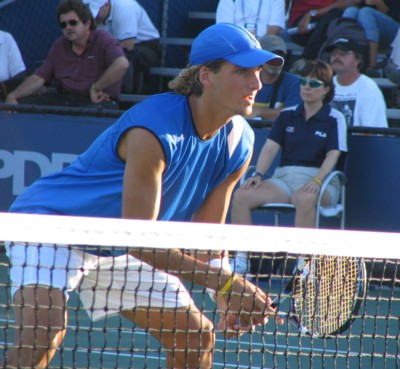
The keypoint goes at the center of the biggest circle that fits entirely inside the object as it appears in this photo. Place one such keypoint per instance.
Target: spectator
(12, 67)
(279, 88)
(260, 17)
(131, 26)
(85, 65)
(380, 21)
(311, 137)
(357, 96)
(321, 12)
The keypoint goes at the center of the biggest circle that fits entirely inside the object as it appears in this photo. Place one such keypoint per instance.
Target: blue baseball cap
(232, 43)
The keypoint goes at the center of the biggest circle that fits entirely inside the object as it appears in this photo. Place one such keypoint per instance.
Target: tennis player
(176, 156)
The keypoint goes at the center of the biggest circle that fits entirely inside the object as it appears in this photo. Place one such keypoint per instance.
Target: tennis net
(326, 269)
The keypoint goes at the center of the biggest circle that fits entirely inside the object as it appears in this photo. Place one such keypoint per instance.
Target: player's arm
(215, 208)
(145, 163)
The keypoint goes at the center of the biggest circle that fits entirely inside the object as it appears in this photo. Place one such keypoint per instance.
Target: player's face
(73, 28)
(234, 88)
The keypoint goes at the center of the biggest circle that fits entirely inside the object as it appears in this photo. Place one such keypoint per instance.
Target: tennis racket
(326, 294)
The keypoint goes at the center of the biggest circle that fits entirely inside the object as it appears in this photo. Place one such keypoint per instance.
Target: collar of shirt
(322, 114)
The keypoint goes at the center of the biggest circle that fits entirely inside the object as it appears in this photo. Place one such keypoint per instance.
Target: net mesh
(370, 339)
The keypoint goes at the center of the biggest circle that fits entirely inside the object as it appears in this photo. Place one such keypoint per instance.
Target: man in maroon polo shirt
(85, 65)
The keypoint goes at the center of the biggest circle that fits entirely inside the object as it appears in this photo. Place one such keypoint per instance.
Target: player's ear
(205, 75)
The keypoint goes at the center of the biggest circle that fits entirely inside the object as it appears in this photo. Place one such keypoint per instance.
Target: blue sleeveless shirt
(92, 184)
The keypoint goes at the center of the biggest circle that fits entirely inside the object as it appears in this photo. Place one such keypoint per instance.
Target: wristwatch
(313, 13)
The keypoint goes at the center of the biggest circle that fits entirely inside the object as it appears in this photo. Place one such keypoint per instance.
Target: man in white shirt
(12, 67)
(129, 23)
(260, 17)
(357, 96)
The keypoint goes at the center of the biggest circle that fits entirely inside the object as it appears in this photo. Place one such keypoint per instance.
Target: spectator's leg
(351, 13)
(380, 31)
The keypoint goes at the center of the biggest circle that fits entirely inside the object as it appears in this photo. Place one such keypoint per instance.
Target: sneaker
(240, 264)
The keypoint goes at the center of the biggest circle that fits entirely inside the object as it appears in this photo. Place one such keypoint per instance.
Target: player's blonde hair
(187, 82)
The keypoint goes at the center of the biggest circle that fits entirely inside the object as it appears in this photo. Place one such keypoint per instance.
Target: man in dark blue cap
(175, 156)
(357, 96)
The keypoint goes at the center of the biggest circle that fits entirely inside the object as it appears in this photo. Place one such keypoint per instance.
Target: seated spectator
(357, 96)
(321, 13)
(380, 21)
(279, 89)
(85, 65)
(311, 137)
(260, 17)
(129, 23)
(12, 67)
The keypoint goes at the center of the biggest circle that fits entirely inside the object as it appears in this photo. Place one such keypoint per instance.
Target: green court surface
(371, 342)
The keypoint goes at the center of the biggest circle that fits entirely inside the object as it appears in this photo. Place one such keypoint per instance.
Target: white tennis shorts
(105, 285)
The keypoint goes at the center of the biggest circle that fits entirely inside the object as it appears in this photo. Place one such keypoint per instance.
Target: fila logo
(320, 134)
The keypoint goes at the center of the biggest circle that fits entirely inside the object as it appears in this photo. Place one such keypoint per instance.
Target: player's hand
(249, 304)
(228, 323)
(231, 327)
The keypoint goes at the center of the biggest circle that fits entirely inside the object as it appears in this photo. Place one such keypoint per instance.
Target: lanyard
(258, 12)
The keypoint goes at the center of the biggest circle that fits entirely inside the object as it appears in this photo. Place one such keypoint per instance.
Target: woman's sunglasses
(71, 22)
(312, 83)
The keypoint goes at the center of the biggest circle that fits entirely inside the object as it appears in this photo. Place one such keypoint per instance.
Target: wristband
(221, 263)
(317, 180)
(257, 174)
(228, 285)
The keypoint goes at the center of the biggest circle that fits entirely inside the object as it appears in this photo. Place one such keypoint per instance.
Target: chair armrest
(334, 174)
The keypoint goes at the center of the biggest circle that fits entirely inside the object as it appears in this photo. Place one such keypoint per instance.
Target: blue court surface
(371, 342)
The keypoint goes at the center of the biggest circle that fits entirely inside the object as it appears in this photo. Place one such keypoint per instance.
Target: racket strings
(325, 296)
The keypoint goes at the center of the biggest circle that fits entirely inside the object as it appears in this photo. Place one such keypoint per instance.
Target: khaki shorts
(105, 285)
(291, 178)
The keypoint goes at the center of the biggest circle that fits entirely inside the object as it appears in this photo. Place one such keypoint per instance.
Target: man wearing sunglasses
(84, 67)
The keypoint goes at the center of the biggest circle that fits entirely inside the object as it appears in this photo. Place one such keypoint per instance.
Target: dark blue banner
(33, 145)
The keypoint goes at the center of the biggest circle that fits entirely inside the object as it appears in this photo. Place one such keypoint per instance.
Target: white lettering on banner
(14, 165)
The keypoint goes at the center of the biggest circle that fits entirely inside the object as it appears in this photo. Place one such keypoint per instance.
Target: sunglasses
(71, 22)
(312, 83)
